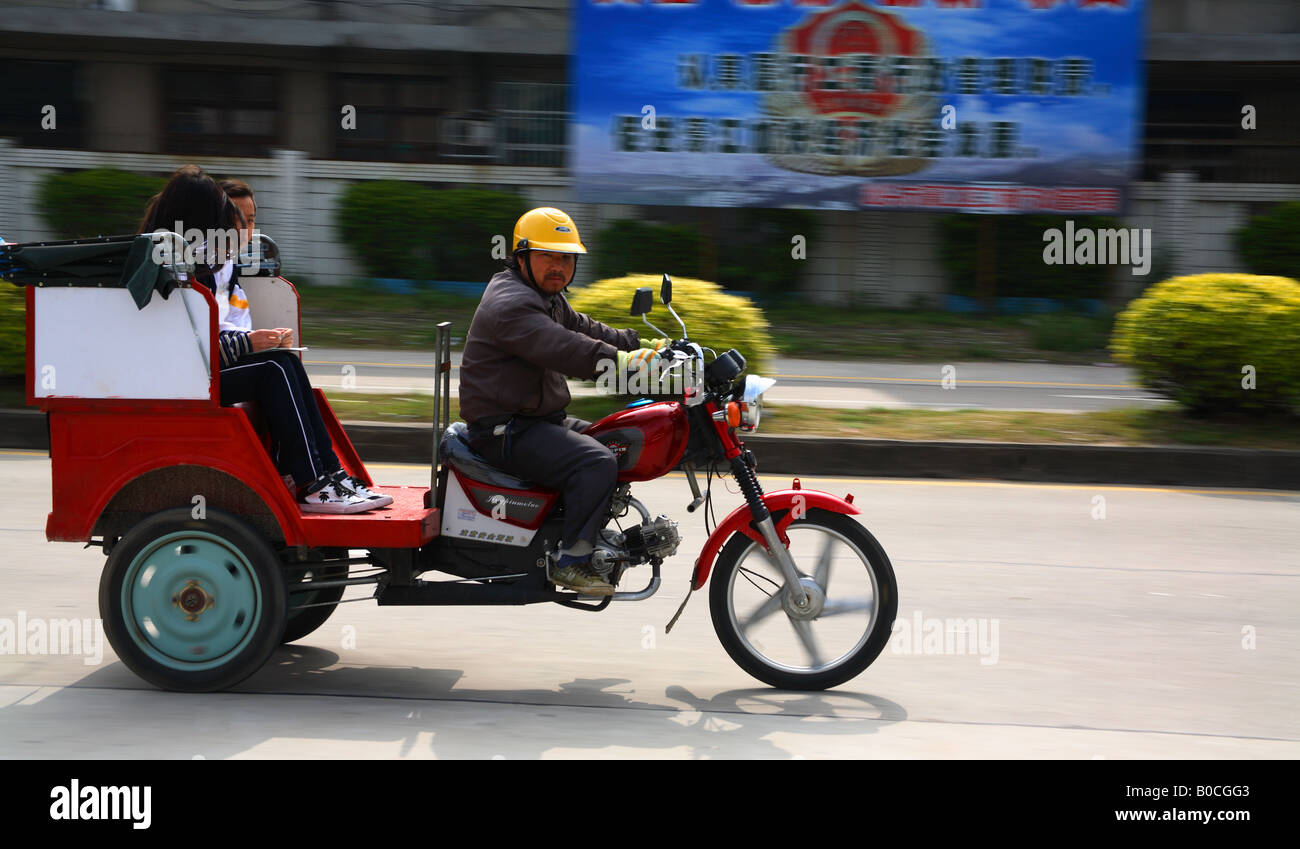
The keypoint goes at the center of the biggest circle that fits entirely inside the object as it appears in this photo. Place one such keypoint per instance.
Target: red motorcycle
(803, 598)
(211, 563)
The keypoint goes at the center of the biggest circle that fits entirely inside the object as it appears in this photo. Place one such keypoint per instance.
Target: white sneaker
(376, 499)
(325, 495)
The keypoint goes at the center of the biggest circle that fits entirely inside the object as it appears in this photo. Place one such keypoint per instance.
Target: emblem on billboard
(861, 68)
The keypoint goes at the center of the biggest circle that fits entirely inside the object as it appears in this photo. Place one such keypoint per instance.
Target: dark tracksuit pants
(276, 380)
(558, 456)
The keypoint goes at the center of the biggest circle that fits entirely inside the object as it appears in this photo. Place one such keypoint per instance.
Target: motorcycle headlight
(751, 400)
(750, 413)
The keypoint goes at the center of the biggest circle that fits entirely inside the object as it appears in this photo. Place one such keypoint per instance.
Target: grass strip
(369, 317)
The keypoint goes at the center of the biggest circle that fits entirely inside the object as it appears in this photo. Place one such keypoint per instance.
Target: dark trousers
(558, 456)
(276, 380)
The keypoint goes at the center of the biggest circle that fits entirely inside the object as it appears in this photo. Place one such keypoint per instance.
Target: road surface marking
(1119, 398)
(958, 380)
(382, 365)
(792, 376)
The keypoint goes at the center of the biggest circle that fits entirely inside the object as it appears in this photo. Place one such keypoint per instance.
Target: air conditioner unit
(468, 136)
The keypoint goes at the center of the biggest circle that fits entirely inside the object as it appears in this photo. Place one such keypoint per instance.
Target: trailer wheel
(193, 604)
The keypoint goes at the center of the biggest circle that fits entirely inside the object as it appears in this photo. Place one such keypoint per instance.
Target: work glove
(639, 360)
(657, 344)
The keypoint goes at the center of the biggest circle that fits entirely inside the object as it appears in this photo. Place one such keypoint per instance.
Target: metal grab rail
(441, 396)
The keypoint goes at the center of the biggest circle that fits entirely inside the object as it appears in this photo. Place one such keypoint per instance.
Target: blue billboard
(974, 105)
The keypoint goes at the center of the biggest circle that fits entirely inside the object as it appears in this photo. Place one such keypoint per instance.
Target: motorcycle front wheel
(851, 600)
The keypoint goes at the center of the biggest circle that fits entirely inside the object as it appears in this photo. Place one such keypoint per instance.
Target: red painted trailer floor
(406, 523)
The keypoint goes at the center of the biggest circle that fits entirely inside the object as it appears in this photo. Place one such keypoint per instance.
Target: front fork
(749, 485)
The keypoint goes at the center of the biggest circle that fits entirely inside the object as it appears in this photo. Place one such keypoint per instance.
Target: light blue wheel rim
(183, 562)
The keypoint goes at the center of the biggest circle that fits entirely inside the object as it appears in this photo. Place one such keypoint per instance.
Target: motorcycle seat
(454, 448)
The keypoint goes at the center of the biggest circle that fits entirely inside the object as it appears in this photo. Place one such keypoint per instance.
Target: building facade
(300, 98)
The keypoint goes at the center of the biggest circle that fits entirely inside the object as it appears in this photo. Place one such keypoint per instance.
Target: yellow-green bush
(13, 331)
(1191, 339)
(713, 318)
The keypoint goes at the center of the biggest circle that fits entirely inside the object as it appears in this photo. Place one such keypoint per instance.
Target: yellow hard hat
(547, 229)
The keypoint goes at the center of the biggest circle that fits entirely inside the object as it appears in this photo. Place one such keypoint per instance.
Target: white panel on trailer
(94, 343)
(272, 303)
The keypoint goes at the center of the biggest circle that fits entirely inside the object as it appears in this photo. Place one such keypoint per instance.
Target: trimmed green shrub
(1019, 270)
(401, 229)
(753, 249)
(713, 318)
(464, 222)
(98, 202)
(1270, 244)
(639, 247)
(1192, 338)
(387, 224)
(13, 331)
(758, 258)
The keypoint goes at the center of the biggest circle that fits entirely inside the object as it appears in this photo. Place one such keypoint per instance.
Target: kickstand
(677, 615)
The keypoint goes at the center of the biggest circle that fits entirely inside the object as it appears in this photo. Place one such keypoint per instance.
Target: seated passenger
(252, 367)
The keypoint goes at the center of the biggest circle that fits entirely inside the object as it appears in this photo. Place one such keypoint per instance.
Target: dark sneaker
(326, 495)
(376, 499)
(580, 577)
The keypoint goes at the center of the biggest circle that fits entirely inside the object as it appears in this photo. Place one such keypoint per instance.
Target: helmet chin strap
(525, 268)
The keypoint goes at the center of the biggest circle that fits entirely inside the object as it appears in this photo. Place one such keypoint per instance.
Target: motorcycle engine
(657, 539)
(653, 540)
(610, 559)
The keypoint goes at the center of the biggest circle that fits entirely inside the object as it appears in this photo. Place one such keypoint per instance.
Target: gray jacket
(521, 345)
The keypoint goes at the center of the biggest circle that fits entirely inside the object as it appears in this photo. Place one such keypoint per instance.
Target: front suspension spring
(749, 486)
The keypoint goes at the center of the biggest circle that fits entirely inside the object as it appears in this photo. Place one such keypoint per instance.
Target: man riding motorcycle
(523, 341)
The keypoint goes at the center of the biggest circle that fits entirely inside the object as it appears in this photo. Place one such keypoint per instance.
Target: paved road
(977, 385)
(1165, 629)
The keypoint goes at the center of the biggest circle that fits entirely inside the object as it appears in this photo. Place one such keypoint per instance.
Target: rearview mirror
(642, 301)
(666, 291)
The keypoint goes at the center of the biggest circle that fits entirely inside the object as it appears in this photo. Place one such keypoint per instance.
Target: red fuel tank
(648, 440)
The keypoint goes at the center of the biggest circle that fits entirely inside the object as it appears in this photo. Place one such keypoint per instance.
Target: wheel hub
(193, 600)
(814, 600)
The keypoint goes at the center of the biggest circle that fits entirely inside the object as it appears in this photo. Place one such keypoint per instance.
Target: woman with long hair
(253, 368)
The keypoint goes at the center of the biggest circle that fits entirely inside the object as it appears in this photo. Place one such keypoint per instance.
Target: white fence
(866, 257)
(296, 196)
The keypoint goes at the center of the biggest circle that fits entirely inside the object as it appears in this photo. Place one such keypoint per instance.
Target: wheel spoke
(750, 575)
(803, 628)
(764, 610)
(822, 573)
(848, 605)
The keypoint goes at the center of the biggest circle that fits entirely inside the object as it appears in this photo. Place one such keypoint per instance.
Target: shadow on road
(415, 707)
